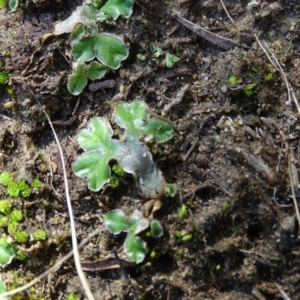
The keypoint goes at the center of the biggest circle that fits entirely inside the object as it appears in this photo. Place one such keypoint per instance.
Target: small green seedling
(183, 235)
(131, 154)
(249, 89)
(78, 80)
(157, 52)
(135, 248)
(141, 57)
(171, 59)
(187, 237)
(13, 4)
(89, 44)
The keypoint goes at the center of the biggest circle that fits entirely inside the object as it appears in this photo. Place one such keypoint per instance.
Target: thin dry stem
(81, 275)
(282, 292)
(228, 15)
(275, 63)
(290, 167)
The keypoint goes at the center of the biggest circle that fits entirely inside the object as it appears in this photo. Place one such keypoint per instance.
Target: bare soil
(234, 158)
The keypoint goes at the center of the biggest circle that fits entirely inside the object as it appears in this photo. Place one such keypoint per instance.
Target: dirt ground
(234, 158)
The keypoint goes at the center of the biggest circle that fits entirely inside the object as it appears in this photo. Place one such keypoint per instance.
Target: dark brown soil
(234, 157)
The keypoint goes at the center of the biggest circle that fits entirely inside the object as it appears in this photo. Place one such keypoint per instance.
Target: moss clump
(268, 77)
(3, 221)
(233, 80)
(14, 188)
(3, 3)
(249, 89)
(21, 236)
(3, 77)
(16, 216)
(35, 183)
(5, 207)
(6, 179)
(39, 235)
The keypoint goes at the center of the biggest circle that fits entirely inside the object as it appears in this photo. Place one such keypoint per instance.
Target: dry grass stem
(228, 15)
(81, 275)
(292, 169)
(275, 63)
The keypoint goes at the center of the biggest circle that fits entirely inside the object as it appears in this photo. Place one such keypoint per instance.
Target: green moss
(249, 89)
(255, 121)
(3, 221)
(3, 77)
(233, 80)
(14, 188)
(72, 297)
(118, 170)
(10, 90)
(20, 255)
(46, 203)
(115, 177)
(35, 183)
(16, 216)
(268, 77)
(6, 179)
(5, 207)
(3, 3)
(24, 189)
(21, 236)
(226, 206)
(114, 181)
(39, 235)
(13, 227)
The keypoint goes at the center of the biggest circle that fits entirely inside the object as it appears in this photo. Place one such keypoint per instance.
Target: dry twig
(223, 43)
